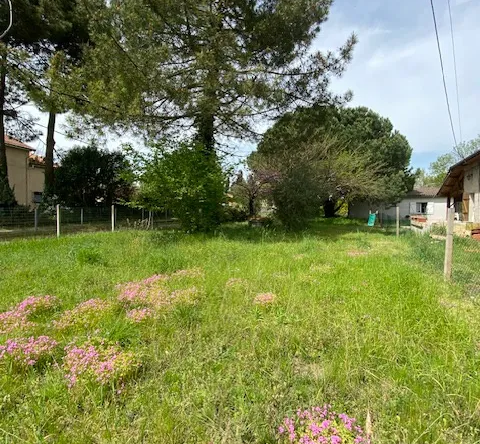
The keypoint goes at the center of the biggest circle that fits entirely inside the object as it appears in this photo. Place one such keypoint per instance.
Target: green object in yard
(371, 220)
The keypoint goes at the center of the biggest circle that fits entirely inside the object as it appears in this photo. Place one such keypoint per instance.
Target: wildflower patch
(264, 299)
(27, 352)
(321, 425)
(98, 363)
(19, 317)
(86, 314)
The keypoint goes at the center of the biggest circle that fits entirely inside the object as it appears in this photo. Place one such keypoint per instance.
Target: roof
(10, 141)
(451, 185)
(423, 192)
(36, 160)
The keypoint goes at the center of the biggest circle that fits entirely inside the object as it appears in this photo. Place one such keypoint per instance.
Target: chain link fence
(18, 222)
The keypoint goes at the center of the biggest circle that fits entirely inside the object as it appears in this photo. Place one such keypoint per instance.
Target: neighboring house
(422, 201)
(26, 172)
(461, 187)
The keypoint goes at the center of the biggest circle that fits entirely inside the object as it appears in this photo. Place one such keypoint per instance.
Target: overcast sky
(396, 70)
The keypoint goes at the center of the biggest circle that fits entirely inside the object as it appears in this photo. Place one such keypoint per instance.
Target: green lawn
(357, 322)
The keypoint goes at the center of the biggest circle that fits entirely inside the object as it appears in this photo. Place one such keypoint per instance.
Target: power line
(443, 73)
(455, 68)
(59, 132)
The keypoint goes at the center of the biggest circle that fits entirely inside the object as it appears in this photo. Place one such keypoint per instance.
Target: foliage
(317, 174)
(213, 66)
(248, 192)
(344, 329)
(90, 176)
(188, 182)
(358, 130)
(439, 168)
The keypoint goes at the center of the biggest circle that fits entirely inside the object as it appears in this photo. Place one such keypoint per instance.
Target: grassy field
(355, 321)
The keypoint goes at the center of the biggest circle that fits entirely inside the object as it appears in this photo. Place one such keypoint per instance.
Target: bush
(190, 182)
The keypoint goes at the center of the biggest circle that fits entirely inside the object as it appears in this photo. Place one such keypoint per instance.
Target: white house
(422, 201)
(462, 188)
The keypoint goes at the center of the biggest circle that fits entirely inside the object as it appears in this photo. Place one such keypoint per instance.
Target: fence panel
(18, 222)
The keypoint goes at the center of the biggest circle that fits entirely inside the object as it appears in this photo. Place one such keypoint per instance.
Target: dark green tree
(89, 176)
(359, 130)
(212, 67)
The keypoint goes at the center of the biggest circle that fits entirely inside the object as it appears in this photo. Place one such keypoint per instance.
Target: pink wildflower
(138, 315)
(264, 298)
(17, 317)
(321, 425)
(28, 351)
(98, 363)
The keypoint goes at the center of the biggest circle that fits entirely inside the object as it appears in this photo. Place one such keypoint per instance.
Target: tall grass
(357, 322)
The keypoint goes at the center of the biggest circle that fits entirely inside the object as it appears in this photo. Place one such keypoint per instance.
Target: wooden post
(449, 244)
(58, 220)
(113, 218)
(81, 216)
(35, 219)
(398, 221)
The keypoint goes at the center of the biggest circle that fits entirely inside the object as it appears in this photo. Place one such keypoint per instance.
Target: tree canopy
(89, 176)
(356, 130)
(207, 67)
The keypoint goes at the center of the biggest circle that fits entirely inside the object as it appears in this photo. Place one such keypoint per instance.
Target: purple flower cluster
(17, 317)
(138, 315)
(103, 364)
(85, 314)
(143, 292)
(27, 352)
(321, 425)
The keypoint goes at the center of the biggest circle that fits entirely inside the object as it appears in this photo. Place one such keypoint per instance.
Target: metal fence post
(113, 218)
(58, 220)
(35, 219)
(447, 270)
(81, 216)
(398, 221)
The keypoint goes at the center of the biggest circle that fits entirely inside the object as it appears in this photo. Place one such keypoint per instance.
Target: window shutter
(430, 207)
(413, 208)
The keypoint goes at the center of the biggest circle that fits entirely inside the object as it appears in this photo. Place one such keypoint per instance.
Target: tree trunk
(49, 173)
(329, 208)
(206, 132)
(251, 207)
(7, 197)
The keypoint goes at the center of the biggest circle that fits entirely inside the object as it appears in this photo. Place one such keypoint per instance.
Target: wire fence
(20, 222)
(463, 267)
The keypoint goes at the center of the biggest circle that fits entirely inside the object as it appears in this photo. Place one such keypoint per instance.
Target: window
(37, 197)
(422, 207)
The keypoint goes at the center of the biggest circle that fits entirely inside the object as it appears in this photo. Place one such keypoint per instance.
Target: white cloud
(397, 73)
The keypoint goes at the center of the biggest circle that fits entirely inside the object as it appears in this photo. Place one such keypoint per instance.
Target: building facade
(422, 201)
(26, 172)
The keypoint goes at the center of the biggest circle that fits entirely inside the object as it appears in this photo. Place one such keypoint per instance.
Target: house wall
(36, 180)
(361, 210)
(471, 187)
(24, 179)
(17, 173)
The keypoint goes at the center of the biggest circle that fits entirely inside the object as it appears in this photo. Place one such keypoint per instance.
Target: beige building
(26, 172)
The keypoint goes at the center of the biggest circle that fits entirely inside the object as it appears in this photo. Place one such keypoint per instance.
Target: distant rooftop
(10, 141)
(424, 192)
